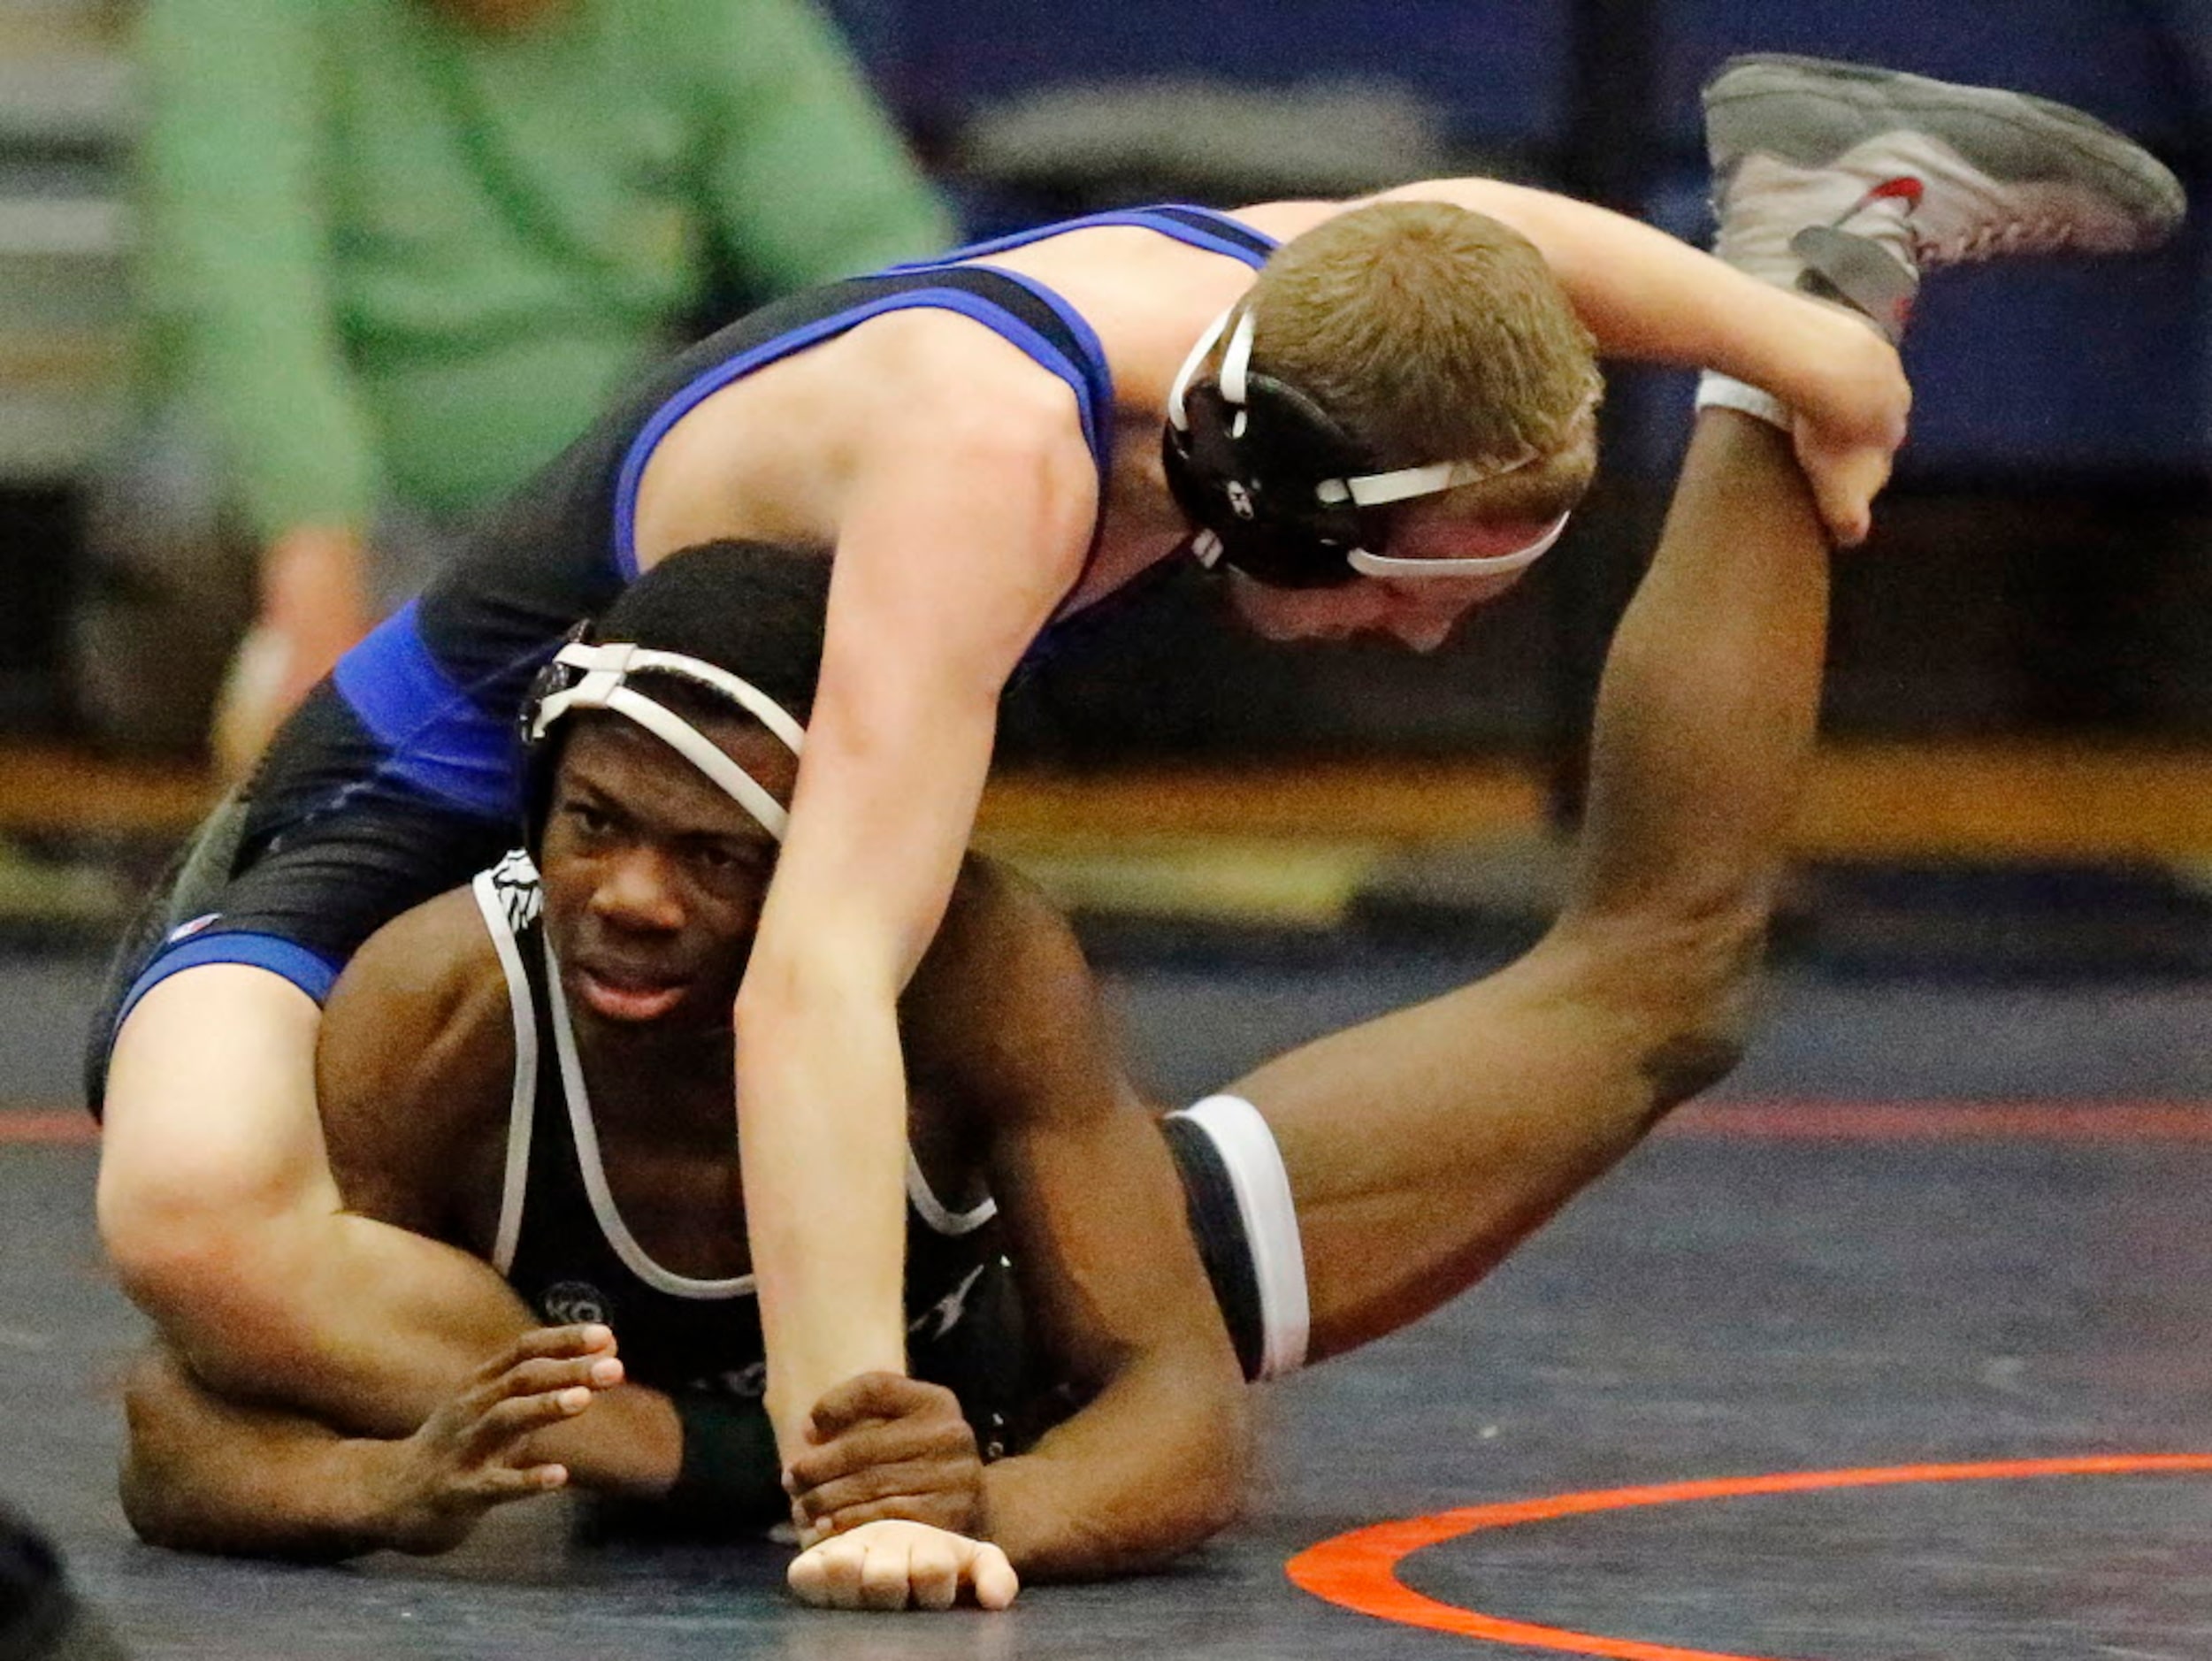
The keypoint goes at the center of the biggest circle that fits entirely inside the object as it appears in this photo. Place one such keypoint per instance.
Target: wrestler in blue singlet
(399, 777)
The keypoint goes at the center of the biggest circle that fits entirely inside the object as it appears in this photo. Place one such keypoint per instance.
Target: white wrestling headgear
(582, 675)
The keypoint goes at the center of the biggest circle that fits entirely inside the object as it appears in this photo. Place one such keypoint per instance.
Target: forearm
(207, 1472)
(1153, 1465)
(1650, 297)
(389, 1322)
(822, 1119)
(202, 1473)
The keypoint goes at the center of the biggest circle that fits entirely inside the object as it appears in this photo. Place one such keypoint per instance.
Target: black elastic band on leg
(1224, 1247)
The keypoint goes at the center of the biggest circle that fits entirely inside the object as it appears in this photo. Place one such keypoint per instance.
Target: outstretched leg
(1419, 1149)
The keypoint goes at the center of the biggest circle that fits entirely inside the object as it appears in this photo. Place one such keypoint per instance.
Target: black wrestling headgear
(1280, 491)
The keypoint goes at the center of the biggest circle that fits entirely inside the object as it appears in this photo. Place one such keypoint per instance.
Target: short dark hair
(754, 608)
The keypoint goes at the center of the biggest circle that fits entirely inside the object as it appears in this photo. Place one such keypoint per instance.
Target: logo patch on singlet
(514, 881)
(746, 1384)
(574, 1303)
(945, 1314)
(186, 931)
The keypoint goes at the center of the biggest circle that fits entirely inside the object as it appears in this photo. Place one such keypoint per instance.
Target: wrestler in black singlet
(565, 1247)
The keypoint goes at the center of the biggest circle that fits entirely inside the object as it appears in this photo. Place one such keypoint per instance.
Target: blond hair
(1432, 334)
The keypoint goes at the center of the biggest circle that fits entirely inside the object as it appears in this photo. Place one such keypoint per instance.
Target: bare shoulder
(1284, 220)
(997, 923)
(1003, 1011)
(417, 1047)
(945, 378)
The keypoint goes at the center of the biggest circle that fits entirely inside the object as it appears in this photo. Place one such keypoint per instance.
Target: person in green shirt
(394, 254)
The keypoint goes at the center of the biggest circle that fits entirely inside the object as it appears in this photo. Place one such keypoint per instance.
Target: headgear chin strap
(587, 676)
(1284, 494)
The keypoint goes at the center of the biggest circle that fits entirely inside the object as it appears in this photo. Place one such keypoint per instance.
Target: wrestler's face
(1419, 612)
(654, 878)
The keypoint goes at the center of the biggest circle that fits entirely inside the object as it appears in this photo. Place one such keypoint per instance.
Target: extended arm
(207, 1472)
(1006, 1013)
(1645, 295)
(1650, 297)
(953, 550)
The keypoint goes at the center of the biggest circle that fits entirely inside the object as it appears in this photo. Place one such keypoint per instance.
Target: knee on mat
(183, 1245)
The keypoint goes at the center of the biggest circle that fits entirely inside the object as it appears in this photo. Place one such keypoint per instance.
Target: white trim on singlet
(586, 1133)
(522, 1114)
(934, 1211)
(920, 1194)
(522, 1103)
(1247, 1147)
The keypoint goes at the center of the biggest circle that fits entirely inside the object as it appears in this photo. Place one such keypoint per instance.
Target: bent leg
(217, 1205)
(1421, 1147)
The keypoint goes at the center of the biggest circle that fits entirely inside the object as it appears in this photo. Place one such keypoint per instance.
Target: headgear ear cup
(1284, 494)
(542, 748)
(1247, 474)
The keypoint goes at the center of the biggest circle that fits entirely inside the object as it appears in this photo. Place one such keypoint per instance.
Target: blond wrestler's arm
(1005, 1029)
(1650, 297)
(961, 535)
(460, 1402)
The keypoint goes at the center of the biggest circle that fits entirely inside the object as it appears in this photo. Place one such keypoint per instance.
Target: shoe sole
(2014, 137)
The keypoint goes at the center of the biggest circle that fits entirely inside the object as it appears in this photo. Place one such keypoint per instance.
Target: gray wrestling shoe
(1851, 181)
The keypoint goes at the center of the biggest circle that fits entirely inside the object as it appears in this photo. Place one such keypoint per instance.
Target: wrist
(728, 1471)
(385, 1507)
(1001, 1512)
(1831, 362)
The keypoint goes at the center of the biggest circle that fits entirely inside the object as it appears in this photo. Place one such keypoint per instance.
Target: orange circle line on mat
(1359, 1570)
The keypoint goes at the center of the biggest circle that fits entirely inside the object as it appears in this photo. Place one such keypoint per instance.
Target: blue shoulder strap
(1198, 227)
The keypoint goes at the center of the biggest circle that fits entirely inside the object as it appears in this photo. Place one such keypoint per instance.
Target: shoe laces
(2036, 234)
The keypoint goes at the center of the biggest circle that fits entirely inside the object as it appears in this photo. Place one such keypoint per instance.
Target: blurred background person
(393, 253)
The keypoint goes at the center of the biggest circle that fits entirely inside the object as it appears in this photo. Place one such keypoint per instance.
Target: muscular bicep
(416, 1048)
(1006, 1018)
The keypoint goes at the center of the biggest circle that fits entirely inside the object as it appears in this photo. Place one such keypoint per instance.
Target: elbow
(149, 1484)
(1216, 1468)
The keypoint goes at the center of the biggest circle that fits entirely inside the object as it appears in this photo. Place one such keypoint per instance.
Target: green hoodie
(387, 257)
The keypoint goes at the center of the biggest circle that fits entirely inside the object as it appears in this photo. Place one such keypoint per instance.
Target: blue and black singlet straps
(1196, 227)
(1019, 310)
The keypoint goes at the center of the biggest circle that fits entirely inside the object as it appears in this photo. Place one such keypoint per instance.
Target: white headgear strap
(603, 685)
(1365, 490)
(1470, 565)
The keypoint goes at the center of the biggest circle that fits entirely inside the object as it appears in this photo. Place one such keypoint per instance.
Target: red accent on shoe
(1903, 188)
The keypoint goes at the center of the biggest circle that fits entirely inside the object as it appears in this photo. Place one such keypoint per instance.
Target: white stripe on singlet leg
(1248, 1150)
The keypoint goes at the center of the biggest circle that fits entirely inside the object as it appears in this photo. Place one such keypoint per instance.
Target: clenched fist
(901, 1565)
